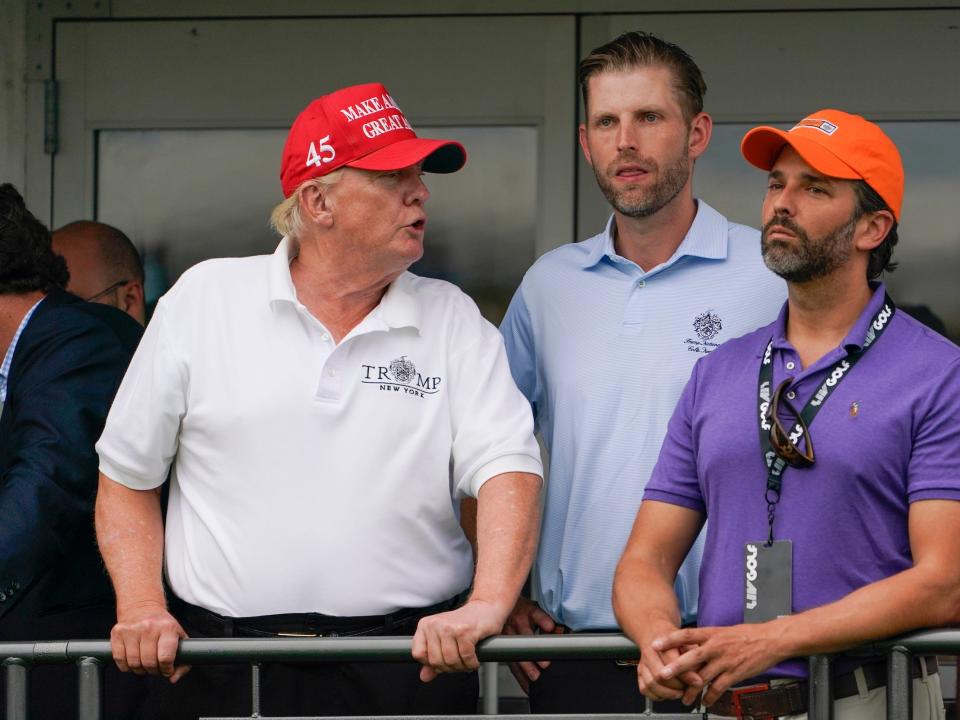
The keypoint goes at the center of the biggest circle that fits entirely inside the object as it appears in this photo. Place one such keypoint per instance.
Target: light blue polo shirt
(602, 350)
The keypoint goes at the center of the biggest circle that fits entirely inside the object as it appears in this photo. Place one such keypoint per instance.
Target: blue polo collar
(706, 238)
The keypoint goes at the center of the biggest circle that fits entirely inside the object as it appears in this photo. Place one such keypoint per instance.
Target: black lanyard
(776, 464)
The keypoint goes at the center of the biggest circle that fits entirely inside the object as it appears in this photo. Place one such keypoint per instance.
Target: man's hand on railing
(722, 656)
(447, 642)
(525, 619)
(145, 640)
(651, 678)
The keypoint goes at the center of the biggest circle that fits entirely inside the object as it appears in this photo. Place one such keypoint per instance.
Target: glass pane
(187, 195)
(929, 250)
(483, 219)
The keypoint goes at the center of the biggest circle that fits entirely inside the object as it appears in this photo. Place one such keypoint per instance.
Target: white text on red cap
(371, 106)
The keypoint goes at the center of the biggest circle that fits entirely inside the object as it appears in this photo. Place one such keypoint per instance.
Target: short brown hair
(641, 49)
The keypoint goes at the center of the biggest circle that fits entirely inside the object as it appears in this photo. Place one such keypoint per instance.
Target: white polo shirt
(309, 476)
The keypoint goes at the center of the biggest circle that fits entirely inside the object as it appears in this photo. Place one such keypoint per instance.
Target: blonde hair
(285, 218)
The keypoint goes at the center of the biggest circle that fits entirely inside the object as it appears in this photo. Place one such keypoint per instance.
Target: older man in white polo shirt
(321, 412)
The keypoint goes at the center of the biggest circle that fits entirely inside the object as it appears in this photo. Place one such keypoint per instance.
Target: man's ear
(701, 129)
(130, 300)
(316, 204)
(873, 228)
(582, 134)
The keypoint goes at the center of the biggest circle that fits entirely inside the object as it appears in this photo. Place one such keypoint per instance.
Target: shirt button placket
(633, 314)
(329, 385)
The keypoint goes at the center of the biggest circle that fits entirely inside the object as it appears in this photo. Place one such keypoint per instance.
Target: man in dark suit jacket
(61, 360)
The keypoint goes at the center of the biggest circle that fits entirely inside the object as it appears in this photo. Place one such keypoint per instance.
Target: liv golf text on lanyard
(768, 565)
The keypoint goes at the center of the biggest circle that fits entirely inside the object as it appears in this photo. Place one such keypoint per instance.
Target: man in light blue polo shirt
(602, 336)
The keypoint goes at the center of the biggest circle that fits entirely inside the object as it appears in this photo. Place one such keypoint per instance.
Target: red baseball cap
(838, 145)
(360, 127)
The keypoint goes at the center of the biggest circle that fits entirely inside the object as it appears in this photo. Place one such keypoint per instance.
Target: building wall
(121, 65)
(28, 27)
(13, 92)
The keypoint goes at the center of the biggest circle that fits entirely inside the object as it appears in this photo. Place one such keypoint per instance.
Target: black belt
(207, 623)
(758, 702)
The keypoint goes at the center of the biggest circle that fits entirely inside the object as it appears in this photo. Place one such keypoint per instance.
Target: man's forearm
(508, 524)
(643, 596)
(644, 601)
(925, 595)
(130, 535)
(507, 529)
(725, 656)
(915, 598)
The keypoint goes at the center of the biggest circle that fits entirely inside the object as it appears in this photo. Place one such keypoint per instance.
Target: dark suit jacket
(66, 369)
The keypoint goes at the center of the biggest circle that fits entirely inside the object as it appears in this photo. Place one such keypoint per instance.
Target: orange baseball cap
(837, 144)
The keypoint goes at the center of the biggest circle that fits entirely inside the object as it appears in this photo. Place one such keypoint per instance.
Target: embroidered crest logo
(707, 325)
(402, 369)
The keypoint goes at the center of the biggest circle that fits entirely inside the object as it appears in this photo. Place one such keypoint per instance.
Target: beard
(805, 258)
(636, 202)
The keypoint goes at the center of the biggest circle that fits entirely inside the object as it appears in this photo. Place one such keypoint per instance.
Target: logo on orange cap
(820, 124)
(837, 144)
(362, 127)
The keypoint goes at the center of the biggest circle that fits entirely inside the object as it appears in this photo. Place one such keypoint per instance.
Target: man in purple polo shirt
(823, 448)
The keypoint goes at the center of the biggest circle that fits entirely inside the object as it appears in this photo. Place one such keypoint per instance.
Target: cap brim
(761, 147)
(437, 156)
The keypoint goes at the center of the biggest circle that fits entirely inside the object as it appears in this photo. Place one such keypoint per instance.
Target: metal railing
(90, 655)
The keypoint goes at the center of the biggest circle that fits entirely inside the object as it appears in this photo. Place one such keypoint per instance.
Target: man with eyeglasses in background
(104, 266)
(823, 448)
(61, 361)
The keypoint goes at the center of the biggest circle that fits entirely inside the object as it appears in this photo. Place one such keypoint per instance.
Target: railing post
(255, 690)
(899, 684)
(15, 671)
(89, 694)
(820, 699)
(491, 688)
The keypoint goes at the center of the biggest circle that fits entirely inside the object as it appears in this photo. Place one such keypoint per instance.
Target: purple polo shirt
(887, 436)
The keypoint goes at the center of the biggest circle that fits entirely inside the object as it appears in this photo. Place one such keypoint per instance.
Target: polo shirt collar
(279, 283)
(855, 336)
(398, 307)
(779, 331)
(858, 333)
(706, 238)
(604, 248)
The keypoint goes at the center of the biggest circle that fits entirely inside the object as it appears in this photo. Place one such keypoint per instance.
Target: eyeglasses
(118, 284)
(780, 440)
